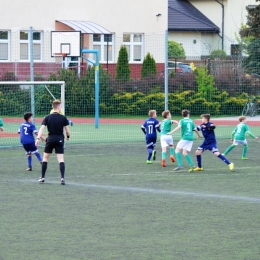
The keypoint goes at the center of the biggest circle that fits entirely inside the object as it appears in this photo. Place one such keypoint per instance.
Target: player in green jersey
(238, 137)
(187, 127)
(1, 125)
(166, 140)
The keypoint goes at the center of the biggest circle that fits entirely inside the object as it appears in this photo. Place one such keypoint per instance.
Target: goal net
(19, 97)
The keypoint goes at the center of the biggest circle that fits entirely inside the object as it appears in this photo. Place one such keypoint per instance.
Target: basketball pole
(96, 64)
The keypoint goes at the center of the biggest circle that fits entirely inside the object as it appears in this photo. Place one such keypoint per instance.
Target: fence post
(32, 72)
(166, 72)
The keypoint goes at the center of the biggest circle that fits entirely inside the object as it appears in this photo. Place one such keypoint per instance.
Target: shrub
(218, 54)
(175, 50)
(122, 68)
(149, 66)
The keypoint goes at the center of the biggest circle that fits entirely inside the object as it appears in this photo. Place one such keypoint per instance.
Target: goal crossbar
(32, 83)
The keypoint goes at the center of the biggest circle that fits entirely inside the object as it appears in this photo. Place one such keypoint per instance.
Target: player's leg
(187, 145)
(198, 153)
(224, 159)
(245, 148)
(29, 160)
(150, 146)
(170, 144)
(50, 144)
(59, 150)
(178, 155)
(230, 148)
(164, 147)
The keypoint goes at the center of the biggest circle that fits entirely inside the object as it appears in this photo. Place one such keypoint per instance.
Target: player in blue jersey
(209, 143)
(27, 131)
(149, 128)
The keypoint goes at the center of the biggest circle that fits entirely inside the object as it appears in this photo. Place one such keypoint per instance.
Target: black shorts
(54, 142)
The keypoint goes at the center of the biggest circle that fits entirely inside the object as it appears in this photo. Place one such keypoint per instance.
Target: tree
(252, 27)
(149, 66)
(175, 50)
(122, 68)
(252, 62)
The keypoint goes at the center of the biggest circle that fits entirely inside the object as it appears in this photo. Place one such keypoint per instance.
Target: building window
(235, 50)
(105, 45)
(134, 46)
(24, 46)
(4, 45)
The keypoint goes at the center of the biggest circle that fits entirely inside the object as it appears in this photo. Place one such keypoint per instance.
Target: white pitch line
(158, 191)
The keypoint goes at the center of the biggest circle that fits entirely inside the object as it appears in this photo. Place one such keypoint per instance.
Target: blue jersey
(208, 133)
(149, 128)
(26, 131)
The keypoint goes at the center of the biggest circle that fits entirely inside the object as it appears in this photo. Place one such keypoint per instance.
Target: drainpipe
(222, 30)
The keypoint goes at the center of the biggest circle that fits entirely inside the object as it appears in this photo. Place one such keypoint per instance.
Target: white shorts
(166, 140)
(236, 142)
(185, 145)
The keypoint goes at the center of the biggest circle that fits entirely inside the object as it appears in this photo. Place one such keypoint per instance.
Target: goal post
(19, 97)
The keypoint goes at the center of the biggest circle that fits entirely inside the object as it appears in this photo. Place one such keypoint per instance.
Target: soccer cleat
(29, 169)
(244, 158)
(191, 169)
(231, 166)
(154, 155)
(163, 163)
(172, 158)
(62, 181)
(178, 168)
(223, 154)
(148, 162)
(197, 169)
(41, 180)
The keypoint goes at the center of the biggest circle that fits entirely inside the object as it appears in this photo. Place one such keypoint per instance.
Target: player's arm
(196, 130)
(67, 132)
(174, 130)
(157, 127)
(175, 122)
(252, 135)
(233, 135)
(143, 129)
(39, 136)
(211, 127)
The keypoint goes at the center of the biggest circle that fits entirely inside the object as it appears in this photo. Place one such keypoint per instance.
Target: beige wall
(116, 16)
(235, 15)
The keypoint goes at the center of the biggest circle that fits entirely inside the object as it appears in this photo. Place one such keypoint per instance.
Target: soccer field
(115, 206)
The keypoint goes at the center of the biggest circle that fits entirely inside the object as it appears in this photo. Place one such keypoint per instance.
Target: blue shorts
(150, 142)
(211, 147)
(30, 148)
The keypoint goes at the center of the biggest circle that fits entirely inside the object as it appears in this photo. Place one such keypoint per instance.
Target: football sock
(188, 158)
(199, 161)
(223, 158)
(164, 155)
(62, 169)
(179, 159)
(231, 147)
(29, 159)
(172, 151)
(44, 168)
(150, 152)
(245, 150)
(38, 155)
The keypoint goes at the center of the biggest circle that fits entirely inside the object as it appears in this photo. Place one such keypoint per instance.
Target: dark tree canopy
(149, 66)
(123, 68)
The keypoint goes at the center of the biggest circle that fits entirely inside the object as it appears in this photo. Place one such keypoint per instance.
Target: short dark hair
(207, 116)
(165, 113)
(56, 103)
(27, 116)
(185, 112)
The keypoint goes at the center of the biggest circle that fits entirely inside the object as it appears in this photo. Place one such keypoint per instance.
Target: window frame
(8, 41)
(103, 44)
(40, 42)
(131, 45)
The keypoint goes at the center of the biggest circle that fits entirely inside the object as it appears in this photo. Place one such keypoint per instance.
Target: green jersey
(240, 132)
(187, 127)
(166, 126)
(1, 123)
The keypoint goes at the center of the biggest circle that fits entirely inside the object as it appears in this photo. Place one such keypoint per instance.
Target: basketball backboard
(65, 43)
